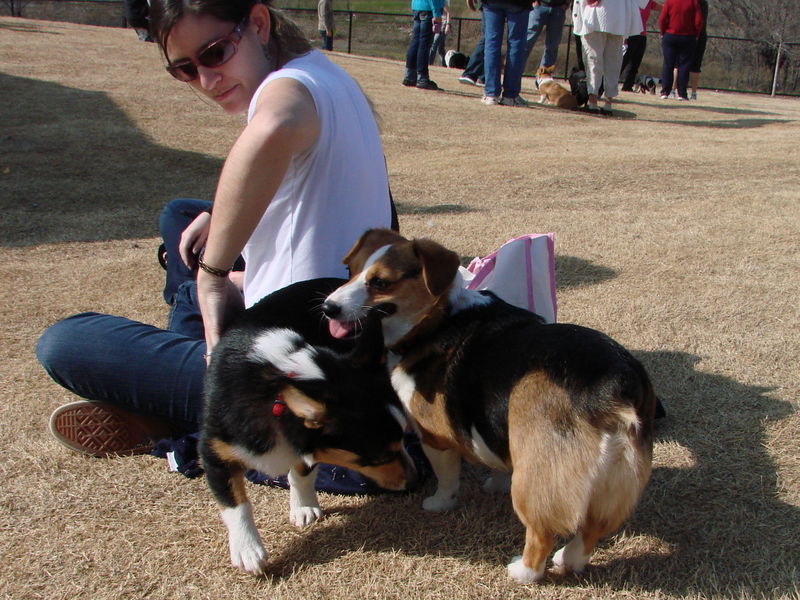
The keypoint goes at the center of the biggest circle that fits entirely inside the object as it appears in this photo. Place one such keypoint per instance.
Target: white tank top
(330, 194)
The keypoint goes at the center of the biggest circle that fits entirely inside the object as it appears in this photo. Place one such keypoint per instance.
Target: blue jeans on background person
(420, 47)
(437, 47)
(495, 17)
(327, 40)
(553, 18)
(678, 51)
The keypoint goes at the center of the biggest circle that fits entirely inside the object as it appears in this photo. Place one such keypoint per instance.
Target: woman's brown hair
(286, 41)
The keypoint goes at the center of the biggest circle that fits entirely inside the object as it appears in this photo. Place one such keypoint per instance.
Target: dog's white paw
(249, 556)
(522, 574)
(498, 482)
(303, 516)
(439, 502)
(570, 558)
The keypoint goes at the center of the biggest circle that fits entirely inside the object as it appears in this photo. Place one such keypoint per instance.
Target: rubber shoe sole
(100, 429)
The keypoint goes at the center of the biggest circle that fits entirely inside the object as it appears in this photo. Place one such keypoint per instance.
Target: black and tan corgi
(277, 404)
(564, 410)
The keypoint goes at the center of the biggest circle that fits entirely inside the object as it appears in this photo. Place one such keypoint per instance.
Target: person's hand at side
(220, 299)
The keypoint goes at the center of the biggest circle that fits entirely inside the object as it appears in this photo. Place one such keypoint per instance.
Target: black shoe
(409, 82)
(427, 84)
(162, 256)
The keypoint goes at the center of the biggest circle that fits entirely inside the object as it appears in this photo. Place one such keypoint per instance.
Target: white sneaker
(490, 100)
(664, 97)
(467, 80)
(518, 101)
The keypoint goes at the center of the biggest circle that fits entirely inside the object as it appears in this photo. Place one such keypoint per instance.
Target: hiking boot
(101, 429)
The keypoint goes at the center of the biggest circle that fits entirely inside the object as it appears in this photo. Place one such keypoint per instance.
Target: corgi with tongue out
(562, 413)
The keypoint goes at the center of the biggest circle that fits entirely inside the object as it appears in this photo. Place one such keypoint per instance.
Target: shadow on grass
(726, 533)
(74, 168)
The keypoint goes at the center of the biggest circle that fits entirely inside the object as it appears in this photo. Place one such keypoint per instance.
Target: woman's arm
(284, 125)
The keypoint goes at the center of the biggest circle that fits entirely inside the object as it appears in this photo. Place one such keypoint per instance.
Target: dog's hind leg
(531, 566)
(226, 480)
(303, 506)
(446, 465)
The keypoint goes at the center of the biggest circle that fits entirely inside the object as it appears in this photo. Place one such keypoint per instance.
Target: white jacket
(618, 17)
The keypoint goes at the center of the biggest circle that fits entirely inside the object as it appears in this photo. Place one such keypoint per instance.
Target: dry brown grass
(677, 233)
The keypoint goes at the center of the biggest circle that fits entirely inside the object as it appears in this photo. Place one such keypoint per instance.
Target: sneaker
(466, 79)
(481, 82)
(518, 101)
(409, 82)
(427, 84)
(664, 97)
(682, 99)
(490, 100)
(694, 96)
(100, 429)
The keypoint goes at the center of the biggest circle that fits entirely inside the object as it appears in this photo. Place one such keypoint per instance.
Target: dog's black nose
(331, 309)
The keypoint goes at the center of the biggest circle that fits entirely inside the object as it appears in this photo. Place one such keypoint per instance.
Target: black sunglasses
(212, 55)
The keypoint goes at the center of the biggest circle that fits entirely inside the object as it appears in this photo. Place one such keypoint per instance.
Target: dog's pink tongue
(339, 329)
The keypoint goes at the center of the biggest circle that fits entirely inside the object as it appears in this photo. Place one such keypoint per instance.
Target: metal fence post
(777, 68)
(350, 32)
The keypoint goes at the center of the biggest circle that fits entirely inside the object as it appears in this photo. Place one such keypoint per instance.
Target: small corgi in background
(552, 92)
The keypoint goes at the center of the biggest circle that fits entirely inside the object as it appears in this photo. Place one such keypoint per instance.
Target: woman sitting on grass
(303, 181)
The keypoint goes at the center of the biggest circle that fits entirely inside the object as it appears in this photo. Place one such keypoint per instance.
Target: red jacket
(681, 17)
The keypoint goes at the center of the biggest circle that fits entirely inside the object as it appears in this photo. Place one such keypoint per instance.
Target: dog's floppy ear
(439, 265)
(371, 240)
(312, 412)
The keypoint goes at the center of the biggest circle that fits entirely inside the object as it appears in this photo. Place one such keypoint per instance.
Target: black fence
(730, 64)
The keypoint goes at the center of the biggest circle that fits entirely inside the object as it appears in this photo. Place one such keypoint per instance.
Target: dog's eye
(379, 284)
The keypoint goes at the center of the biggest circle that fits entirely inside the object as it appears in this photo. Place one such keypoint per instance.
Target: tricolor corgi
(551, 92)
(277, 404)
(564, 411)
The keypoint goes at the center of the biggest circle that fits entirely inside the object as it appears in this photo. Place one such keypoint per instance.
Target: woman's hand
(193, 239)
(220, 300)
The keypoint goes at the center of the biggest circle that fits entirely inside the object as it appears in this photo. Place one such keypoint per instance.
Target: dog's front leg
(303, 506)
(446, 466)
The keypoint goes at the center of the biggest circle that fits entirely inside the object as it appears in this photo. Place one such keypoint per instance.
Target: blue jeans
(551, 17)
(495, 17)
(420, 47)
(140, 368)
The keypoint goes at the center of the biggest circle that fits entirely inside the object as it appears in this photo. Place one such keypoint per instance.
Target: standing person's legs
(697, 61)
(536, 22)
(593, 50)
(670, 53)
(685, 58)
(494, 21)
(516, 54)
(555, 30)
(612, 64)
(424, 46)
(474, 69)
(632, 60)
(410, 77)
(579, 52)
